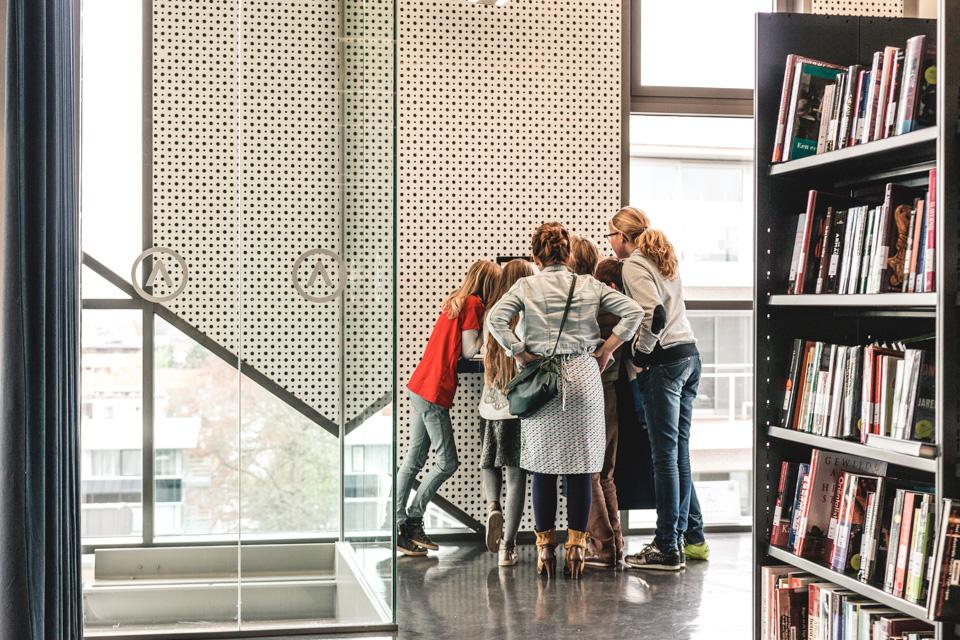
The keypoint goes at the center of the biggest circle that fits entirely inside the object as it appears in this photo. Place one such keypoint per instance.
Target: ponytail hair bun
(551, 243)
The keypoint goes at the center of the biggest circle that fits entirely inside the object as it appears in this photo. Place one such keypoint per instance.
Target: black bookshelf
(780, 193)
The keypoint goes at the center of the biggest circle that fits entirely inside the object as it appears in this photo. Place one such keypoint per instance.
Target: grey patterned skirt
(568, 434)
(499, 443)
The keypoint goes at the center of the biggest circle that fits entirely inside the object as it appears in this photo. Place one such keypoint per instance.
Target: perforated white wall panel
(271, 140)
(507, 118)
(889, 8)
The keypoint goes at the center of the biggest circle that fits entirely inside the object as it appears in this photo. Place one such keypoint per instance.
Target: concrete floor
(460, 593)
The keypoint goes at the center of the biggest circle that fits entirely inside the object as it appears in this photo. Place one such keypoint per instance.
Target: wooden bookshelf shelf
(926, 465)
(915, 148)
(866, 590)
(926, 301)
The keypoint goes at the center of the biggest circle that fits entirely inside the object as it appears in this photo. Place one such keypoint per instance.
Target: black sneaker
(650, 557)
(406, 546)
(416, 533)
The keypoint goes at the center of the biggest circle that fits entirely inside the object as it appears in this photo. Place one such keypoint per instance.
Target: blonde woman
(500, 436)
(567, 435)
(432, 387)
(666, 351)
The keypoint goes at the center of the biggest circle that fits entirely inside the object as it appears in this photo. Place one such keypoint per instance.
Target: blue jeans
(430, 425)
(694, 533)
(667, 393)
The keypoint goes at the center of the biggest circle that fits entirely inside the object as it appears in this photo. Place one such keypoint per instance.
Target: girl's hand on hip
(603, 358)
(525, 357)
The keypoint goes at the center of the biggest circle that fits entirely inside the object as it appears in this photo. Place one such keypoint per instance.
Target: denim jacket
(542, 297)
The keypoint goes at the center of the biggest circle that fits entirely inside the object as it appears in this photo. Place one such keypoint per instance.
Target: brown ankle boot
(574, 553)
(546, 556)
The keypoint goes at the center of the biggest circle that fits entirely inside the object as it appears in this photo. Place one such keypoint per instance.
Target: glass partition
(237, 430)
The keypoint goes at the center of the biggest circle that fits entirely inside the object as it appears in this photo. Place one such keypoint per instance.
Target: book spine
(919, 277)
(825, 122)
(883, 95)
(823, 252)
(866, 407)
(802, 265)
(893, 541)
(797, 253)
(836, 98)
(873, 97)
(776, 530)
(908, 256)
(792, 114)
(929, 269)
(849, 106)
(903, 550)
(907, 108)
(786, 412)
(895, 84)
(918, 554)
(785, 94)
(836, 250)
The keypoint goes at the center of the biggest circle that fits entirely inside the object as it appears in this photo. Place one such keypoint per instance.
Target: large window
(693, 176)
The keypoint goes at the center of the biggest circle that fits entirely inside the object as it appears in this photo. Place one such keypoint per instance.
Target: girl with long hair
(500, 435)
(432, 387)
(666, 352)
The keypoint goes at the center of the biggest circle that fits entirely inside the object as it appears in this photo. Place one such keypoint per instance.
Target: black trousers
(579, 487)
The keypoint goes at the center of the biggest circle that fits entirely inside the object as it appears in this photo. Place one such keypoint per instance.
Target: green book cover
(808, 108)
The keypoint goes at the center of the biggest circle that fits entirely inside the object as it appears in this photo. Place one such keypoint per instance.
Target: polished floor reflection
(461, 593)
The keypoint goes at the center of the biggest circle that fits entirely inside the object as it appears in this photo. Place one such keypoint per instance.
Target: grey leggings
(516, 497)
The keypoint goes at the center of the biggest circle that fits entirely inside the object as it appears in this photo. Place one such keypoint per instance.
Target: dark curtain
(39, 301)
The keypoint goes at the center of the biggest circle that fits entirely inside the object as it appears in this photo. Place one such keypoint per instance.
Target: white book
(797, 247)
(826, 125)
(880, 250)
(845, 251)
(898, 445)
(897, 398)
(836, 396)
(856, 251)
(913, 383)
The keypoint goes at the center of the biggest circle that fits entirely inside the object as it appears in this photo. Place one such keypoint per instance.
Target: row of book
(878, 394)
(846, 247)
(842, 511)
(825, 106)
(798, 606)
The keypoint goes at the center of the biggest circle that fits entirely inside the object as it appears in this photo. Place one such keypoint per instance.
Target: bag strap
(566, 310)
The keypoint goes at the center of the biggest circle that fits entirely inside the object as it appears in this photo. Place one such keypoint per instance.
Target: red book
(903, 549)
(930, 252)
(883, 96)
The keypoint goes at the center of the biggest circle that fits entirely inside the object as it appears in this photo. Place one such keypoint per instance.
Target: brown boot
(546, 555)
(575, 549)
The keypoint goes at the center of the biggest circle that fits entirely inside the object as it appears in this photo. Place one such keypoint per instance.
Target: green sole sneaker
(697, 551)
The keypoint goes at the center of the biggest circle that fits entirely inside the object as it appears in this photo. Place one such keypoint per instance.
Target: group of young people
(603, 320)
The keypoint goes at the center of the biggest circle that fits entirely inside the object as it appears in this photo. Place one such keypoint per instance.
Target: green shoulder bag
(537, 383)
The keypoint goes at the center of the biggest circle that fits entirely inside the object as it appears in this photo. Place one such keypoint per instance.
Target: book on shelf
(815, 520)
(841, 246)
(853, 392)
(945, 582)
(795, 606)
(850, 517)
(826, 106)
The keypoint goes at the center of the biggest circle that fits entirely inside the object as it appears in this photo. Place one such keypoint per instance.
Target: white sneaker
(507, 555)
(494, 529)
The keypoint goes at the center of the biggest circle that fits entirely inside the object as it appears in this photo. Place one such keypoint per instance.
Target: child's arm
(499, 317)
(470, 343)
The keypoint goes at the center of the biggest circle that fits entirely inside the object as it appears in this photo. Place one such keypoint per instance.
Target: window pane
(721, 435)
(111, 145)
(195, 426)
(111, 424)
(698, 43)
(693, 177)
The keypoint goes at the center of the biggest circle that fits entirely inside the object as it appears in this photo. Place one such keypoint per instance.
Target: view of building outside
(693, 177)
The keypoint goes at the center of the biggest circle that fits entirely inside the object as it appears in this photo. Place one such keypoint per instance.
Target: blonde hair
(584, 256)
(498, 367)
(652, 243)
(481, 280)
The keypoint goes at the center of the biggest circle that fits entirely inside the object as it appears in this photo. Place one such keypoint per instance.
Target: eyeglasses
(615, 233)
